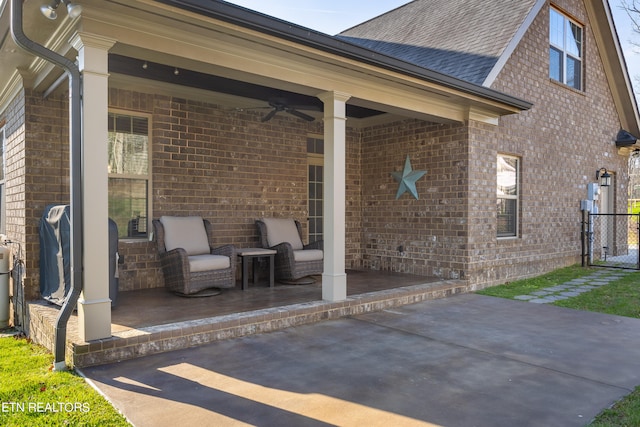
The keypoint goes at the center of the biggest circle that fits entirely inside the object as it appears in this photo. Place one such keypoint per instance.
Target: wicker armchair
(293, 259)
(189, 262)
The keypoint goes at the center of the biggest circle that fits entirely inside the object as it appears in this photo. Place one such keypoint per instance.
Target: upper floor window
(508, 195)
(129, 173)
(565, 52)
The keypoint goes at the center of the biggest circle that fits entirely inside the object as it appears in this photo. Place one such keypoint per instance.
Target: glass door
(315, 160)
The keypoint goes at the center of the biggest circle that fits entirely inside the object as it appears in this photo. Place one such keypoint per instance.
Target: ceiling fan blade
(269, 116)
(306, 107)
(252, 108)
(297, 113)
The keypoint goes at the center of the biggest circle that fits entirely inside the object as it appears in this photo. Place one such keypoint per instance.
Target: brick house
(487, 106)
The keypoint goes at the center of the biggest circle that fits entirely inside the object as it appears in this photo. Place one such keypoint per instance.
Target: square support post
(334, 277)
(94, 305)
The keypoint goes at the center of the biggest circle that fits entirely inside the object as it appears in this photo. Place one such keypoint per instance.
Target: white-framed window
(565, 51)
(508, 192)
(129, 173)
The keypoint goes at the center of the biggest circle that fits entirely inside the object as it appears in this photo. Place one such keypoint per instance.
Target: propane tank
(5, 269)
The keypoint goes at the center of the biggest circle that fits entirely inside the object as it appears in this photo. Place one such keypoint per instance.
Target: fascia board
(614, 64)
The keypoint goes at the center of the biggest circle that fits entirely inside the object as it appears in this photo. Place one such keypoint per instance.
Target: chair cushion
(307, 255)
(186, 232)
(282, 230)
(208, 262)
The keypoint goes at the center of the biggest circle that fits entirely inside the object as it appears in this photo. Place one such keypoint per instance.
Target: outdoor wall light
(604, 177)
(49, 10)
(625, 139)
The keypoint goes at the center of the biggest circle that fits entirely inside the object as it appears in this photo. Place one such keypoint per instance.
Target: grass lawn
(32, 394)
(621, 297)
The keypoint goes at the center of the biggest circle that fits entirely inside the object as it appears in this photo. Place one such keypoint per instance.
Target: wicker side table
(249, 254)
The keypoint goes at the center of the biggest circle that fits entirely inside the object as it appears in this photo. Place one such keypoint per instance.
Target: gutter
(75, 161)
(247, 18)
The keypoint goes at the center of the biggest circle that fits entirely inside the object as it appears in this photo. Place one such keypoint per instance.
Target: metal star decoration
(407, 179)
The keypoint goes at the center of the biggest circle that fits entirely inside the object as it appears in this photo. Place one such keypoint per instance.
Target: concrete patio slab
(467, 360)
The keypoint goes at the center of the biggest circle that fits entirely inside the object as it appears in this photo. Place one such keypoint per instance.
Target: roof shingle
(460, 38)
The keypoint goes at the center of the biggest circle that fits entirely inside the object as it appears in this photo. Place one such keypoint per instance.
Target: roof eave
(603, 26)
(291, 32)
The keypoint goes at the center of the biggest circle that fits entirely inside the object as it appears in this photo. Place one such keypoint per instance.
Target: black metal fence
(610, 240)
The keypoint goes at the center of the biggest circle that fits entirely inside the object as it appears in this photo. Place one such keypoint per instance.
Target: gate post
(583, 236)
(638, 239)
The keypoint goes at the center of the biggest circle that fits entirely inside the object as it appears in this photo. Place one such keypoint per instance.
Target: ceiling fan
(280, 104)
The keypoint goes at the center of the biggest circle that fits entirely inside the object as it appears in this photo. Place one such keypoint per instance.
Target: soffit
(19, 68)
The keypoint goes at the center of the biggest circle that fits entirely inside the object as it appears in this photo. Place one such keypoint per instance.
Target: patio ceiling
(163, 73)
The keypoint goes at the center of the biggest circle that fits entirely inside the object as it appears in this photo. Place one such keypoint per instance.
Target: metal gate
(610, 240)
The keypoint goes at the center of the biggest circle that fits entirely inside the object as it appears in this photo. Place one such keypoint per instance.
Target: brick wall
(431, 230)
(34, 178)
(224, 165)
(562, 141)
(229, 167)
(13, 120)
(45, 172)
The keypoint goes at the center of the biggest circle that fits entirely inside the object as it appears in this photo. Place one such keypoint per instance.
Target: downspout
(75, 160)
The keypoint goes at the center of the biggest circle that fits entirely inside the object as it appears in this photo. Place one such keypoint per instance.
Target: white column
(94, 305)
(334, 278)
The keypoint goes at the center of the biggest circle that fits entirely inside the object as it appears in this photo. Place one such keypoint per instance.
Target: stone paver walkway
(576, 287)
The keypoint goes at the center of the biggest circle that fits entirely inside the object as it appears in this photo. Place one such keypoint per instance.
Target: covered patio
(153, 320)
(207, 82)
